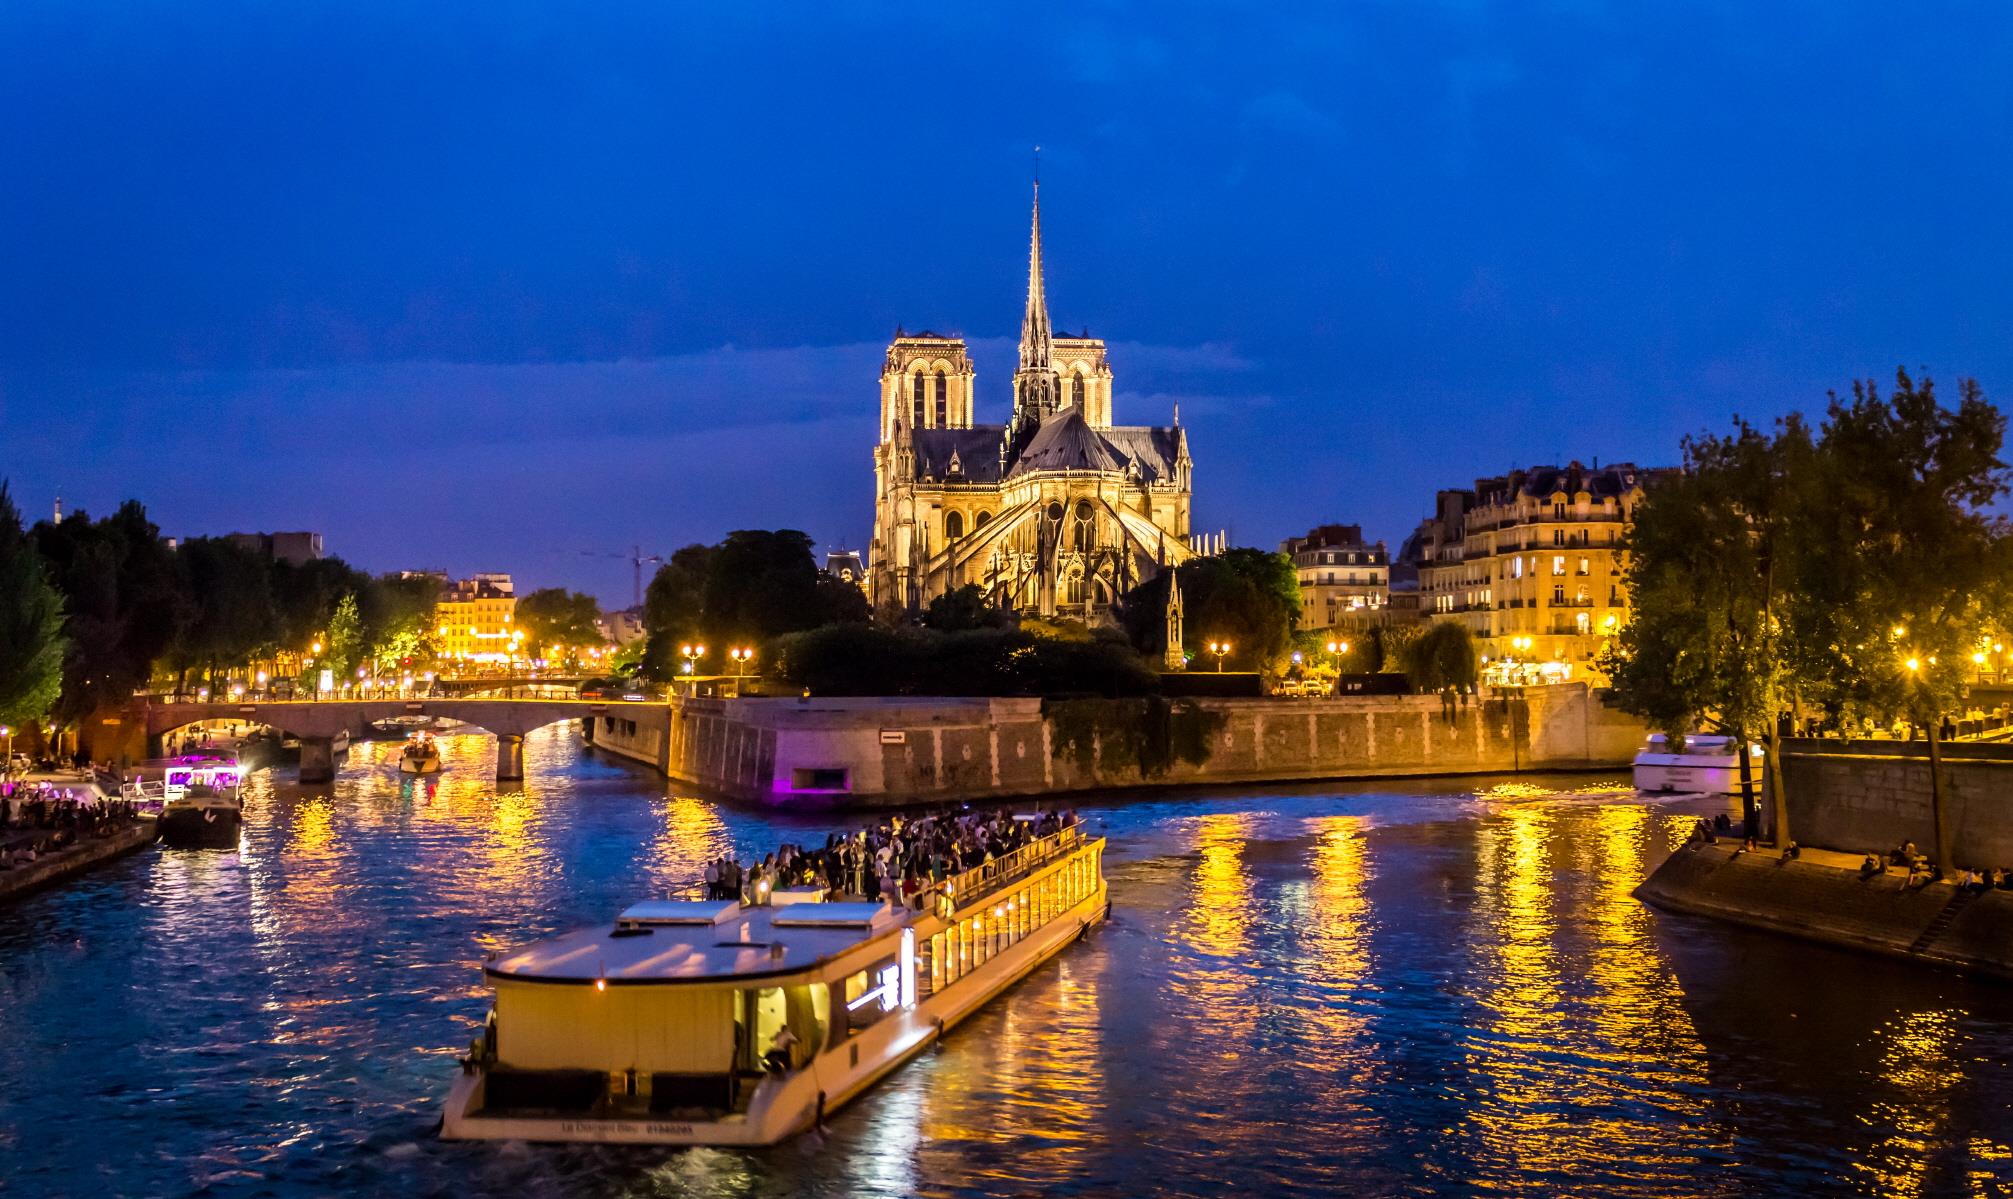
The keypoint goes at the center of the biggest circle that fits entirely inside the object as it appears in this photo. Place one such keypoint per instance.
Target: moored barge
(715, 1023)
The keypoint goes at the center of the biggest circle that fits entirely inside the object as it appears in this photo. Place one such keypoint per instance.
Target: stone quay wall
(888, 751)
(1873, 795)
(1831, 903)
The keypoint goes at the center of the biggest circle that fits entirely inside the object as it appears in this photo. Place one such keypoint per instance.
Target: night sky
(482, 289)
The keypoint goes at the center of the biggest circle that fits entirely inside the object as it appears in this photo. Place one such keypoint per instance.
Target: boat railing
(989, 876)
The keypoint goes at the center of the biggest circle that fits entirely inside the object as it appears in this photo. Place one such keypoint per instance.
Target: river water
(1381, 989)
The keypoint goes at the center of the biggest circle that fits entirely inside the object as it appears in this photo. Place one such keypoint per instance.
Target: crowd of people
(899, 860)
(38, 819)
(1922, 871)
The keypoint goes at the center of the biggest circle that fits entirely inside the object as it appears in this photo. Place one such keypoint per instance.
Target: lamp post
(742, 655)
(1220, 649)
(692, 654)
(7, 755)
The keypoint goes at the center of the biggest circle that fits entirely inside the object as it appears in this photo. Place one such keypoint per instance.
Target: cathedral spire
(1037, 390)
(1037, 340)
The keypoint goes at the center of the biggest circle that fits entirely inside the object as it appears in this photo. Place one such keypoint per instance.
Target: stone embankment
(77, 858)
(872, 752)
(1823, 897)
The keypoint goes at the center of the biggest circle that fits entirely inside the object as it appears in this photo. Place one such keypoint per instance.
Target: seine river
(1386, 989)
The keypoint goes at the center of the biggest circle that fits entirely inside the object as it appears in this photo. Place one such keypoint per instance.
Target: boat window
(873, 993)
(765, 1011)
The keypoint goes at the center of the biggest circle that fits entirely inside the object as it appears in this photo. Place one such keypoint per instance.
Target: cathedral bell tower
(1037, 387)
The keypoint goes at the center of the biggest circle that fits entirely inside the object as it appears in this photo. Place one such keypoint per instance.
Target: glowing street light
(1220, 649)
(692, 654)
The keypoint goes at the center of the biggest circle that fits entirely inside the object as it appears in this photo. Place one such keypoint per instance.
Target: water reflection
(1446, 989)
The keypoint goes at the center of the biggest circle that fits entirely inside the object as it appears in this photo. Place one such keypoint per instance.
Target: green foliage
(32, 643)
(1796, 570)
(1384, 649)
(1248, 597)
(863, 659)
(228, 598)
(1149, 735)
(1441, 659)
(965, 608)
(305, 598)
(674, 609)
(553, 617)
(398, 618)
(343, 648)
(1902, 536)
(123, 598)
(753, 586)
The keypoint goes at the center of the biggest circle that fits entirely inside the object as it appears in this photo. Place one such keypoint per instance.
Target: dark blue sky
(484, 288)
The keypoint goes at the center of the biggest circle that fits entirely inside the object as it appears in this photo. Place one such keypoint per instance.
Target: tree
(753, 586)
(1909, 557)
(306, 596)
(1712, 556)
(32, 643)
(1442, 660)
(553, 617)
(964, 608)
(1248, 597)
(124, 600)
(231, 615)
(674, 609)
(344, 647)
(398, 617)
(1855, 570)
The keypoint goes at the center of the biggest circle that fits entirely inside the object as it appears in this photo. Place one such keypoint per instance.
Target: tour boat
(420, 756)
(663, 1028)
(198, 795)
(1707, 765)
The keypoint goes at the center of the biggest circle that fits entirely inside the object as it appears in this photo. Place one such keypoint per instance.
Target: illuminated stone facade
(1345, 582)
(1531, 562)
(1058, 512)
(475, 620)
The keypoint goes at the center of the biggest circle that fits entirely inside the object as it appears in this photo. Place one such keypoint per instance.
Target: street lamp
(742, 655)
(1219, 648)
(7, 755)
(692, 654)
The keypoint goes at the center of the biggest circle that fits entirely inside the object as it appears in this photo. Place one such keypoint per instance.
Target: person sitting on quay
(1872, 865)
(1791, 852)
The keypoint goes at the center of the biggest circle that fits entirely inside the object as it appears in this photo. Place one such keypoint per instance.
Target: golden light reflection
(1221, 904)
(1520, 1116)
(1921, 1070)
(1337, 930)
(692, 835)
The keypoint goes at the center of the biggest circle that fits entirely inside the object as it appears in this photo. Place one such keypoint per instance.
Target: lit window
(1559, 565)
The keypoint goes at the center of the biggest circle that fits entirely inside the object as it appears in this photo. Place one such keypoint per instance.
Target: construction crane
(635, 557)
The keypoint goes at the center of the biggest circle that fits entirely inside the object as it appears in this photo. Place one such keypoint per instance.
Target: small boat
(713, 1023)
(198, 794)
(420, 756)
(1703, 764)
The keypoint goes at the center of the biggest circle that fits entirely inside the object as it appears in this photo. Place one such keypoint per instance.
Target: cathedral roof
(977, 450)
(1065, 441)
(1155, 449)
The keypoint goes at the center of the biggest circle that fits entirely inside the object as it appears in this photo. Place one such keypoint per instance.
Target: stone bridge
(317, 721)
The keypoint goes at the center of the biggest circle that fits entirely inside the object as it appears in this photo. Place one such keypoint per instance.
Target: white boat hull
(785, 1106)
(1691, 773)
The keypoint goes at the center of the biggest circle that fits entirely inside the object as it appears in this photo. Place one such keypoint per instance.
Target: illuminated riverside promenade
(1385, 989)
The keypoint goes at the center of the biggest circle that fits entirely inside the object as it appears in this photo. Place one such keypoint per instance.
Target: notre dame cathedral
(1058, 512)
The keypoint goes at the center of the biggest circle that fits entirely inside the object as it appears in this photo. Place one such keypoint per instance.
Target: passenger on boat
(779, 1059)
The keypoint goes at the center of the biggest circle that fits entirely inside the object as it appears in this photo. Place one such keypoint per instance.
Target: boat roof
(663, 941)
